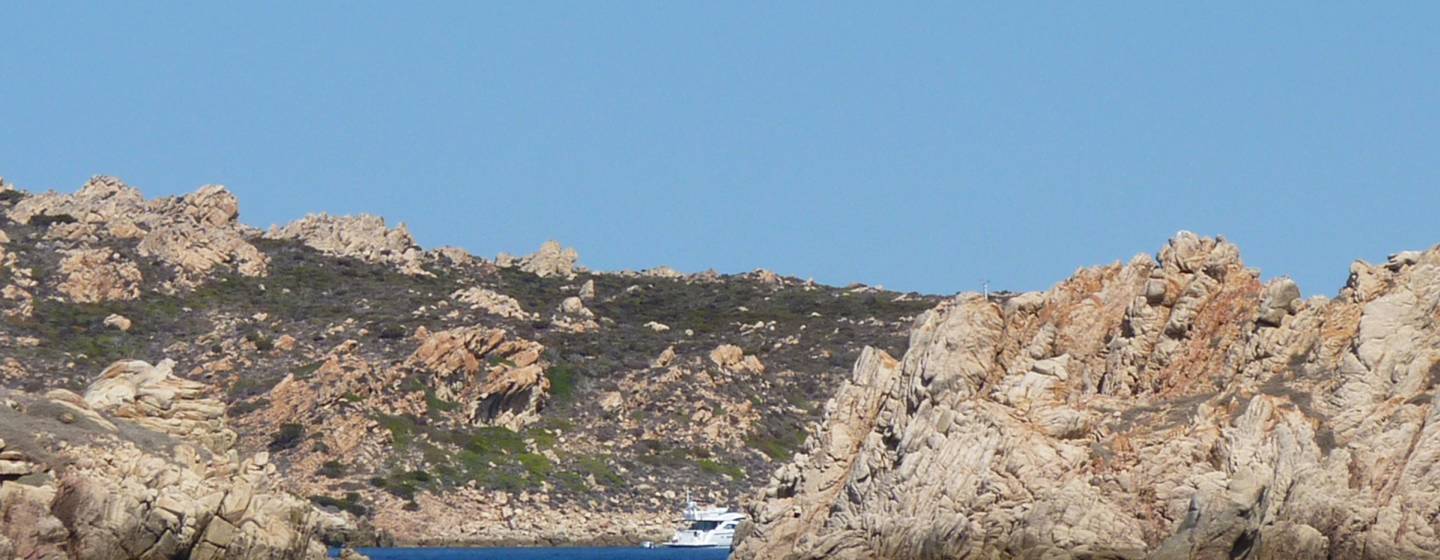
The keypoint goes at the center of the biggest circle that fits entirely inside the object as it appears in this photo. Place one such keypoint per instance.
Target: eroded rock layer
(1170, 407)
(142, 467)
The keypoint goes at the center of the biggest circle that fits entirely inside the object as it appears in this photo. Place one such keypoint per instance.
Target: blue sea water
(577, 553)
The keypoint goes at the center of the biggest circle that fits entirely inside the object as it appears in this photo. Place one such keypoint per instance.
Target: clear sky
(919, 146)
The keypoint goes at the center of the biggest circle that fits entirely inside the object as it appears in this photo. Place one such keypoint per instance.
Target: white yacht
(707, 528)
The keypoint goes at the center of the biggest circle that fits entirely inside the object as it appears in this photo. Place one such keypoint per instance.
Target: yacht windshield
(704, 525)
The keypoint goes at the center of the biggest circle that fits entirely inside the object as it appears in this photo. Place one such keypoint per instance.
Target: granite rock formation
(364, 237)
(1170, 407)
(122, 475)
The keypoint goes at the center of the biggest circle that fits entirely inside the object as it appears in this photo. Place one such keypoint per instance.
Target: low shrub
(716, 468)
(290, 435)
(350, 503)
(332, 469)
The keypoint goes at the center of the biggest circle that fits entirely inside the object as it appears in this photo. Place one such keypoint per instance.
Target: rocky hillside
(430, 395)
(1171, 407)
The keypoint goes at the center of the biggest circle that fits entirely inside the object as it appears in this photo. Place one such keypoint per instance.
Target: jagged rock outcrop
(1171, 407)
(152, 397)
(79, 483)
(734, 358)
(551, 260)
(193, 234)
(363, 237)
(498, 380)
(99, 275)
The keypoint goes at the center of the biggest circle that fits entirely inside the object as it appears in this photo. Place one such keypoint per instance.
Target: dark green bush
(332, 469)
(562, 381)
(717, 468)
(260, 340)
(47, 220)
(599, 468)
(289, 436)
(350, 503)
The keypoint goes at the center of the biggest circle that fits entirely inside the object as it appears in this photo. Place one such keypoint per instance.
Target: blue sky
(920, 146)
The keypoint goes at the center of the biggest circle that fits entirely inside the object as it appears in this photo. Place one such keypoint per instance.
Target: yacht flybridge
(713, 527)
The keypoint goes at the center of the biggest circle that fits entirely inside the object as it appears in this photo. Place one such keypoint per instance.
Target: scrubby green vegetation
(332, 469)
(350, 503)
(714, 467)
(809, 336)
(289, 435)
(562, 381)
(491, 457)
(778, 440)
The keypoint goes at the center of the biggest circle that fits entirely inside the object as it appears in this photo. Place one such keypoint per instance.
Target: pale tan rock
(611, 401)
(551, 260)
(727, 355)
(363, 237)
(153, 397)
(731, 357)
(1170, 407)
(573, 316)
(767, 277)
(193, 234)
(587, 290)
(665, 358)
(125, 495)
(455, 255)
(98, 275)
(118, 322)
(498, 380)
(492, 302)
(663, 272)
(200, 232)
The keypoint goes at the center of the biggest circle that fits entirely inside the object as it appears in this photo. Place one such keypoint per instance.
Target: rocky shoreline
(1171, 407)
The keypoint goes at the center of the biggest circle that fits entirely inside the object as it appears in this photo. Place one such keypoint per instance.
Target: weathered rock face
(193, 234)
(79, 483)
(1170, 408)
(97, 275)
(551, 260)
(492, 302)
(364, 237)
(499, 381)
(153, 397)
